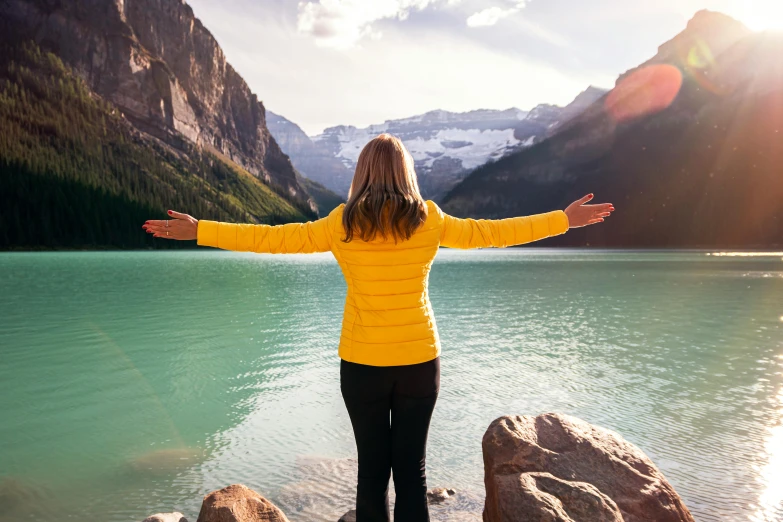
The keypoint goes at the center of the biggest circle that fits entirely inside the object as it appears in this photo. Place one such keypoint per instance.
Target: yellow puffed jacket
(388, 318)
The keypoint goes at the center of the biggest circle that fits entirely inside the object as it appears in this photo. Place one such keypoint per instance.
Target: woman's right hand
(580, 215)
(182, 227)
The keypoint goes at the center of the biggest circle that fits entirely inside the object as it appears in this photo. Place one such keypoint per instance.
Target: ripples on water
(136, 382)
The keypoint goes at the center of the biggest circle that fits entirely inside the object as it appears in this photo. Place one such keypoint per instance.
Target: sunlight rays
(760, 15)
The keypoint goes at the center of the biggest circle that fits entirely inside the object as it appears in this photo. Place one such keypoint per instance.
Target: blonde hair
(384, 196)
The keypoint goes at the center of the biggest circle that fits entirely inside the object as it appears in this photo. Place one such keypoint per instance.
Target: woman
(385, 238)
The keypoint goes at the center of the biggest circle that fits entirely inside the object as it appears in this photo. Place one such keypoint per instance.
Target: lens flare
(645, 91)
(699, 56)
(699, 63)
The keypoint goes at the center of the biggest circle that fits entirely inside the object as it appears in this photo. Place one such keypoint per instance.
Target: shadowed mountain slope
(705, 171)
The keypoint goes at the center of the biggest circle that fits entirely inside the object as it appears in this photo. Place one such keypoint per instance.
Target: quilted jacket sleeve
(481, 233)
(291, 238)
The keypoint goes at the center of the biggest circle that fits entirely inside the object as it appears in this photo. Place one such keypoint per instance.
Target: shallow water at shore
(136, 382)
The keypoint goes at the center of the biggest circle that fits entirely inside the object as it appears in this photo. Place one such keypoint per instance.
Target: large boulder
(557, 468)
(238, 503)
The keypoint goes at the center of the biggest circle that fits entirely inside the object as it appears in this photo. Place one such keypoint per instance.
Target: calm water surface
(136, 382)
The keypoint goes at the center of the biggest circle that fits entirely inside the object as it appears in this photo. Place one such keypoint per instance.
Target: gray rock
(438, 495)
(166, 517)
(556, 467)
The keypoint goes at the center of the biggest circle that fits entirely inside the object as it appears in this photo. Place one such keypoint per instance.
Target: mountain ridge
(76, 174)
(114, 112)
(716, 145)
(157, 62)
(445, 145)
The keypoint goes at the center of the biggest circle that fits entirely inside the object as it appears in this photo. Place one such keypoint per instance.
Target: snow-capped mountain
(445, 146)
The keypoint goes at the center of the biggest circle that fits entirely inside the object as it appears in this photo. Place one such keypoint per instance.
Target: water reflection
(166, 461)
(322, 489)
(771, 499)
(745, 254)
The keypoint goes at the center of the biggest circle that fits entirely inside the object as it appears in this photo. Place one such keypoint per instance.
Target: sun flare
(760, 15)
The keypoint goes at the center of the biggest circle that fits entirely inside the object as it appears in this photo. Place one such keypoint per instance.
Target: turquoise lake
(136, 382)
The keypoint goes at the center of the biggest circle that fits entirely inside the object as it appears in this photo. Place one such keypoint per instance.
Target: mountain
(445, 145)
(75, 173)
(314, 163)
(131, 102)
(580, 104)
(688, 146)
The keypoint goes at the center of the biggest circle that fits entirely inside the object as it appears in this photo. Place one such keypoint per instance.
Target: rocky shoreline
(546, 468)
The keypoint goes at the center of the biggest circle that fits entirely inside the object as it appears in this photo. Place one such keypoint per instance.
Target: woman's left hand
(580, 215)
(182, 227)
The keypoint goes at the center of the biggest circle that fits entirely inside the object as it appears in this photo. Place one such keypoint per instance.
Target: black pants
(406, 393)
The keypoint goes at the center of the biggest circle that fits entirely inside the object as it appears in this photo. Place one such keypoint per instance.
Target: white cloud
(398, 76)
(342, 23)
(492, 15)
(489, 16)
(403, 73)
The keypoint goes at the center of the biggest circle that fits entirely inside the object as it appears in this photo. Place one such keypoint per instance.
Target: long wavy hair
(384, 197)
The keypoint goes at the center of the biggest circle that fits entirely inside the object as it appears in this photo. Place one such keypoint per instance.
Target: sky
(322, 63)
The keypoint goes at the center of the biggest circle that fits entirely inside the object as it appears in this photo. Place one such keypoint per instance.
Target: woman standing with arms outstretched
(385, 238)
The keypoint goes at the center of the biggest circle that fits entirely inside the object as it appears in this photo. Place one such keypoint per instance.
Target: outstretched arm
(291, 238)
(480, 233)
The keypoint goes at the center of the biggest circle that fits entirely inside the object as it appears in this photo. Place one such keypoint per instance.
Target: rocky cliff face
(445, 145)
(716, 145)
(162, 68)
